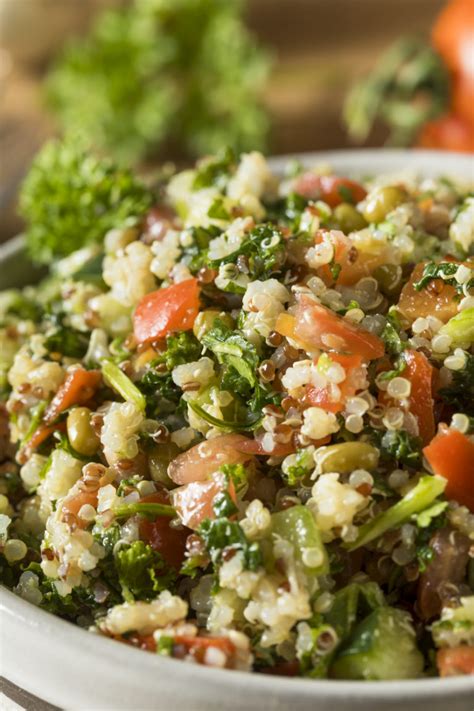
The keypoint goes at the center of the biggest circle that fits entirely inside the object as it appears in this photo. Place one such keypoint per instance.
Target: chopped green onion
(418, 499)
(121, 383)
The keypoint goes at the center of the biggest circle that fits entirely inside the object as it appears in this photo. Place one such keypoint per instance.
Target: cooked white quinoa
(247, 441)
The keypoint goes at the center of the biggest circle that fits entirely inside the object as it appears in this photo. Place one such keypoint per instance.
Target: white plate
(77, 670)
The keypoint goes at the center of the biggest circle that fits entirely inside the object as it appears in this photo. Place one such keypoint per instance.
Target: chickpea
(79, 430)
(345, 457)
(389, 278)
(158, 460)
(382, 201)
(348, 218)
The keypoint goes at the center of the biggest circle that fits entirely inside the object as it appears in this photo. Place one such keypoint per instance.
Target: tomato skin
(73, 504)
(437, 299)
(167, 310)
(77, 389)
(170, 542)
(449, 133)
(330, 188)
(451, 455)
(255, 446)
(205, 458)
(321, 396)
(453, 34)
(354, 263)
(420, 374)
(194, 502)
(315, 324)
(452, 661)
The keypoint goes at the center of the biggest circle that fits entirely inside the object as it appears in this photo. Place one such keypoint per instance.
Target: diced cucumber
(353, 602)
(460, 328)
(298, 526)
(381, 647)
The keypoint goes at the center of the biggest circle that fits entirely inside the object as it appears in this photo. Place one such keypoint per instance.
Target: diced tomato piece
(450, 132)
(291, 668)
(321, 396)
(453, 661)
(319, 327)
(169, 541)
(39, 436)
(354, 263)
(451, 455)
(78, 388)
(330, 188)
(198, 646)
(73, 504)
(420, 374)
(194, 502)
(166, 310)
(255, 446)
(205, 458)
(436, 299)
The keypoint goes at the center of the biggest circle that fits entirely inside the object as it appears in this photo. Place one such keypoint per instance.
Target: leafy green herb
(217, 211)
(215, 171)
(391, 336)
(264, 249)
(303, 465)
(150, 75)
(221, 534)
(70, 199)
(165, 646)
(459, 395)
(232, 350)
(395, 372)
(224, 505)
(69, 342)
(400, 446)
(444, 271)
(142, 572)
(180, 348)
(236, 473)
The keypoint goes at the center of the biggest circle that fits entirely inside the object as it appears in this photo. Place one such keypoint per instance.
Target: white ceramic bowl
(77, 670)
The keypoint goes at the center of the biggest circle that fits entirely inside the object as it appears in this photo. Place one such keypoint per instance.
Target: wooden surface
(320, 47)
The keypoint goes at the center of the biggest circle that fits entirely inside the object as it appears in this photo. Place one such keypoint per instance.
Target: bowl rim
(17, 610)
(97, 648)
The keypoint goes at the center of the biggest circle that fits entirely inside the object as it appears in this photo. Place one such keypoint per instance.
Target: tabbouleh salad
(238, 423)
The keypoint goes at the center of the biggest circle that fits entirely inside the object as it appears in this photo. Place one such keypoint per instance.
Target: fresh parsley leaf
(265, 250)
(215, 171)
(232, 350)
(68, 341)
(70, 199)
(142, 572)
(221, 534)
(444, 271)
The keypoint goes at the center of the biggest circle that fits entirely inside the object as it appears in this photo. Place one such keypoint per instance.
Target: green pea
(205, 321)
(389, 278)
(382, 201)
(348, 218)
(80, 433)
(344, 458)
(158, 460)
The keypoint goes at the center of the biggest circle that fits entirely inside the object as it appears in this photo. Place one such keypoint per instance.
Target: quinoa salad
(237, 429)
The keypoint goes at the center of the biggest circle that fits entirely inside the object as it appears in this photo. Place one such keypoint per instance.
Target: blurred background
(154, 80)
